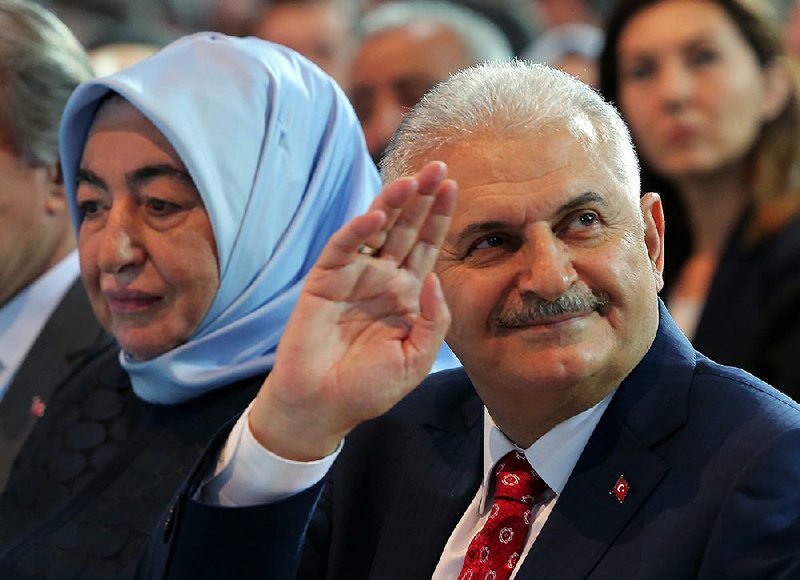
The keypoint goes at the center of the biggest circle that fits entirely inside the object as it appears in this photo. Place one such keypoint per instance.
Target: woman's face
(147, 251)
(691, 88)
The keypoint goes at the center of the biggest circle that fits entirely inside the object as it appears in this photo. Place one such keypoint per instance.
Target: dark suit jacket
(712, 456)
(750, 319)
(70, 338)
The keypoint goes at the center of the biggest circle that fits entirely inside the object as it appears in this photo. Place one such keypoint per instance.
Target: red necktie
(494, 551)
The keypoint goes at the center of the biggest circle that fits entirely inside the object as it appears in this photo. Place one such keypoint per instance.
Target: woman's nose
(119, 246)
(674, 85)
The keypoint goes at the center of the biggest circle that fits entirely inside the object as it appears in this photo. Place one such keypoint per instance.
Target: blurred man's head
(41, 63)
(407, 48)
(320, 30)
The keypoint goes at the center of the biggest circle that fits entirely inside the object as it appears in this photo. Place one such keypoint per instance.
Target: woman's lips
(681, 135)
(129, 301)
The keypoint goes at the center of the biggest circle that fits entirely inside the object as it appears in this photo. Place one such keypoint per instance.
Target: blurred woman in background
(712, 102)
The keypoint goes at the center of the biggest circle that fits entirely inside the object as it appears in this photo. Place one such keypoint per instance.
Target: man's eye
(492, 241)
(587, 219)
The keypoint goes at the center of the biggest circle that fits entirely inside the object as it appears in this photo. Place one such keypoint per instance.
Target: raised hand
(367, 326)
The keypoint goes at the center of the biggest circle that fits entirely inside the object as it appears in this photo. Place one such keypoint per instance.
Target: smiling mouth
(544, 320)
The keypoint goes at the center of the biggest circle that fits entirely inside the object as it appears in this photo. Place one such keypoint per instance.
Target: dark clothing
(750, 319)
(711, 454)
(70, 339)
(97, 472)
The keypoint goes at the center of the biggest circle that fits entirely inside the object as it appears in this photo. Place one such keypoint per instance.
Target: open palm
(366, 328)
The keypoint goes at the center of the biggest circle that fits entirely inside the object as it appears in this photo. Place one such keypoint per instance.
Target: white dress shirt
(248, 474)
(553, 457)
(23, 317)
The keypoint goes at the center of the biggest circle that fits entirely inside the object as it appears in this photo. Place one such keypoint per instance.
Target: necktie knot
(514, 479)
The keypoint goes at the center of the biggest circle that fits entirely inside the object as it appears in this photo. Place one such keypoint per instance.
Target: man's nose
(546, 267)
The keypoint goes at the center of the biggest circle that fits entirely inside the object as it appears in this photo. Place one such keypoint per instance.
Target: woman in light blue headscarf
(203, 183)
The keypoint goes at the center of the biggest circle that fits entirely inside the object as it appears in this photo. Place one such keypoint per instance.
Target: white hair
(507, 100)
(482, 39)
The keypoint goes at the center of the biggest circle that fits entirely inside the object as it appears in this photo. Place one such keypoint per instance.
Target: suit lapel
(440, 474)
(587, 516)
(649, 406)
(69, 338)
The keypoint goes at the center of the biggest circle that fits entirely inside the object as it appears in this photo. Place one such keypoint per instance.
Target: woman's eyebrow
(88, 176)
(145, 174)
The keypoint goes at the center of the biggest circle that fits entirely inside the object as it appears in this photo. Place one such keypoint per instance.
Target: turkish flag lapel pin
(620, 489)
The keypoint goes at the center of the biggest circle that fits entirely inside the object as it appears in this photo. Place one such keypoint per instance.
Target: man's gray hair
(482, 40)
(41, 63)
(508, 100)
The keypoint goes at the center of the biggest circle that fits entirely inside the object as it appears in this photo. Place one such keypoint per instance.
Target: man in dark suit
(47, 329)
(648, 460)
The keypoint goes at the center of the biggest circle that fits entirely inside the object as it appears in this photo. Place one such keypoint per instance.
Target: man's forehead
(524, 179)
(498, 164)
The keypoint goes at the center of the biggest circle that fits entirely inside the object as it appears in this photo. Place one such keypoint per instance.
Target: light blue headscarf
(279, 160)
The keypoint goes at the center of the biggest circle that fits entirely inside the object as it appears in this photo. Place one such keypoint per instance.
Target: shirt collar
(23, 317)
(553, 456)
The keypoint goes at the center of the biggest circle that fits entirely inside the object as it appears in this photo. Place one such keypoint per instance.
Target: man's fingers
(343, 247)
(422, 257)
(404, 232)
(391, 201)
(430, 327)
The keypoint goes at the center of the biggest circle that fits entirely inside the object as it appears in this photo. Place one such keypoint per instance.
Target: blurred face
(147, 252)
(792, 29)
(582, 68)
(394, 69)
(34, 223)
(317, 30)
(549, 273)
(691, 88)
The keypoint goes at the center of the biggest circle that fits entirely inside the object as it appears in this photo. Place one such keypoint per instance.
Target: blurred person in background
(792, 28)
(100, 22)
(573, 48)
(408, 47)
(47, 329)
(321, 30)
(552, 13)
(712, 102)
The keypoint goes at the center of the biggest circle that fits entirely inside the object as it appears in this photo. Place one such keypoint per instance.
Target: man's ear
(653, 214)
(54, 182)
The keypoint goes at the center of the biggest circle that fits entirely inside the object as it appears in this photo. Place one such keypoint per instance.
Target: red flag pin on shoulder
(620, 489)
(38, 407)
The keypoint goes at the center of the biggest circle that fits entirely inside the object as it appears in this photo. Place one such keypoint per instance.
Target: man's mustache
(532, 309)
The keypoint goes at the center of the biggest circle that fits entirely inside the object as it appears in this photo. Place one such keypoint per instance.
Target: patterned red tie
(494, 551)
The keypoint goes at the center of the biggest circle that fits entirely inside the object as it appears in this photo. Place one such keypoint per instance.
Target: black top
(750, 318)
(97, 472)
